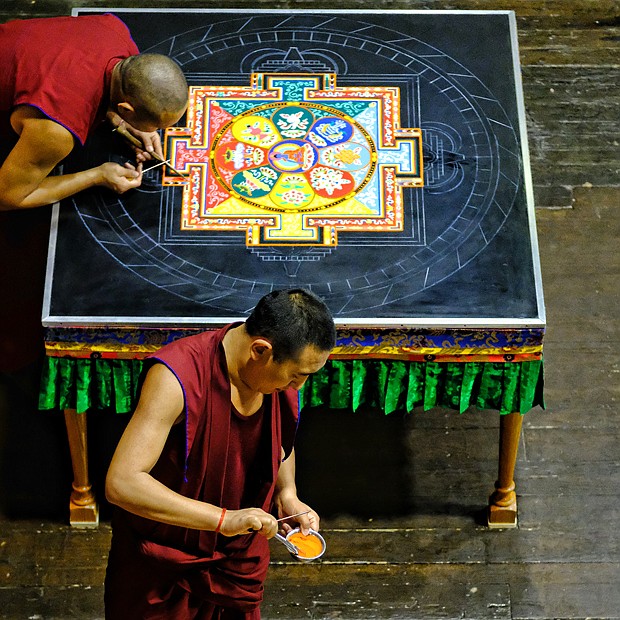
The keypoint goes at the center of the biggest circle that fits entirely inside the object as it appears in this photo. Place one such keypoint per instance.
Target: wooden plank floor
(402, 496)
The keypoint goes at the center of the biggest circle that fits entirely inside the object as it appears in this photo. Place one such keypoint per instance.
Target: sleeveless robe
(160, 571)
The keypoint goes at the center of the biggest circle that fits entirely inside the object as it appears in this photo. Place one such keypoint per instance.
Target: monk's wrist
(220, 522)
(286, 494)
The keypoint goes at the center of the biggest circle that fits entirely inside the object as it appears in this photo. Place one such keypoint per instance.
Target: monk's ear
(260, 349)
(126, 107)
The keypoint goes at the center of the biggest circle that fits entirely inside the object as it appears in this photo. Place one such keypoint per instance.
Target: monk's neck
(245, 400)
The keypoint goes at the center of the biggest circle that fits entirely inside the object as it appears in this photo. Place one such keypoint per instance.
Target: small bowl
(303, 558)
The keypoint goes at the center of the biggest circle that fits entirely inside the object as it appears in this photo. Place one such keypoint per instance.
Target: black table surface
(468, 253)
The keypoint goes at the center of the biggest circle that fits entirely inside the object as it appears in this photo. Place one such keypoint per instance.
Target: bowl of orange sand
(310, 547)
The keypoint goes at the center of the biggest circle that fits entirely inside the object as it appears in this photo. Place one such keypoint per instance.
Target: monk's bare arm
(286, 497)
(285, 486)
(24, 175)
(130, 485)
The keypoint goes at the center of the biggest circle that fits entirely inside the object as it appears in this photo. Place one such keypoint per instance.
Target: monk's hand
(144, 143)
(307, 522)
(249, 520)
(120, 178)
(289, 504)
(152, 144)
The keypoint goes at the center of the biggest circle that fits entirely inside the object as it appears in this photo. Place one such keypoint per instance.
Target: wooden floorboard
(403, 497)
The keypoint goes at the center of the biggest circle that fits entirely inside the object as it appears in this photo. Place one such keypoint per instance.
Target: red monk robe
(160, 571)
(63, 67)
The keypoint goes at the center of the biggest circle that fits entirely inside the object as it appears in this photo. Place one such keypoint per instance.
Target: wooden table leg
(503, 501)
(83, 509)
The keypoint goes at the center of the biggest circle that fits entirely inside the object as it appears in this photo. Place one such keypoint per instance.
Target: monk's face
(144, 123)
(268, 376)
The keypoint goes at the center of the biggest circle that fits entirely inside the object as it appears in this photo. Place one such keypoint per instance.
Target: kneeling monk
(206, 459)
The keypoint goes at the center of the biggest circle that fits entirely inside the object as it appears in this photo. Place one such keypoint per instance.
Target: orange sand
(309, 546)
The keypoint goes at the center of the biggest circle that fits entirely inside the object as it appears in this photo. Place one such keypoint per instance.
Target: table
(379, 159)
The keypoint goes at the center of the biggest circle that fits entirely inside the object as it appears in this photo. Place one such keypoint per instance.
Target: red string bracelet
(219, 524)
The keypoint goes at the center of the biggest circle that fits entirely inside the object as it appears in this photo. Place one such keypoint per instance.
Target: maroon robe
(63, 67)
(160, 571)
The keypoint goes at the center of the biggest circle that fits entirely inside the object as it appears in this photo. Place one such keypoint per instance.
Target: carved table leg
(503, 501)
(83, 509)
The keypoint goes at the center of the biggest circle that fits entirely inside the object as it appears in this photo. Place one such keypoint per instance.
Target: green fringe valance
(86, 384)
(387, 385)
(394, 385)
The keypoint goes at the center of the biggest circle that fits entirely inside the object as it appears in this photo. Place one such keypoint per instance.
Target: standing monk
(206, 460)
(59, 79)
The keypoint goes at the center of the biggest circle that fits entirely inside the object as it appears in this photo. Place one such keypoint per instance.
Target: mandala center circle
(293, 156)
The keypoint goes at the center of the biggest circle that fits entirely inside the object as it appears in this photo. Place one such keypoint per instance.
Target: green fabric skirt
(387, 385)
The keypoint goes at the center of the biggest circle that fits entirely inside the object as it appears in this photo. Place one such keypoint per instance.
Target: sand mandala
(315, 160)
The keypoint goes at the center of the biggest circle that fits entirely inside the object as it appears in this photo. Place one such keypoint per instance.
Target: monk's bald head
(155, 86)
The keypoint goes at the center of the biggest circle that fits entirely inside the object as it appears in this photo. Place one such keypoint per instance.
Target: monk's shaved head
(154, 85)
(292, 320)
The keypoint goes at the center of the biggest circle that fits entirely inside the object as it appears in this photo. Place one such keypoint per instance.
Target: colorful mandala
(292, 157)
